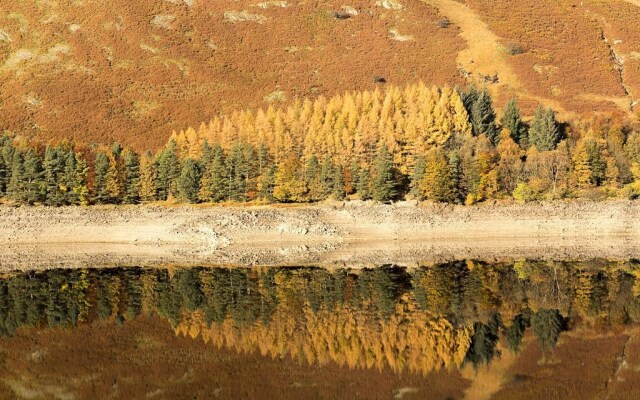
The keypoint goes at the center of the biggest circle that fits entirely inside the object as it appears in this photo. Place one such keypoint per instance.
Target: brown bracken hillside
(98, 71)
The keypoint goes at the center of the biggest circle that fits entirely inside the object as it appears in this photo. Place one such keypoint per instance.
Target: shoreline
(330, 234)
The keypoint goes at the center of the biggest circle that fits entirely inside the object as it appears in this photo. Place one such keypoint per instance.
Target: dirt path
(485, 55)
(352, 233)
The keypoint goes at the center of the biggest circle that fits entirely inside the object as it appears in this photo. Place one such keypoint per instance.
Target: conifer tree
(213, 185)
(189, 181)
(326, 178)
(512, 121)
(6, 153)
(544, 132)
(101, 168)
(113, 181)
(383, 183)
(455, 175)
(237, 173)
(483, 117)
(417, 176)
(168, 171)
(313, 179)
(510, 166)
(80, 188)
(16, 185)
(363, 185)
(3, 177)
(437, 184)
(148, 178)
(337, 180)
(469, 98)
(33, 185)
(53, 174)
(289, 185)
(131, 177)
(268, 183)
(69, 177)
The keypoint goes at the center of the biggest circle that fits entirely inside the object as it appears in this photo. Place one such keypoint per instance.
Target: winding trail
(485, 55)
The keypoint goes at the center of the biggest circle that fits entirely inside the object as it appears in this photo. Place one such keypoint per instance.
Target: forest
(418, 142)
(419, 320)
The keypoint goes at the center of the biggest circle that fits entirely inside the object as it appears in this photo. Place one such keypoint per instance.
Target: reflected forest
(418, 320)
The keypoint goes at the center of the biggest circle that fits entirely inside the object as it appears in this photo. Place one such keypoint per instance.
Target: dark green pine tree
(383, 183)
(168, 171)
(547, 325)
(469, 98)
(3, 177)
(100, 182)
(312, 177)
(268, 183)
(206, 156)
(131, 178)
(326, 175)
(69, 177)
(6, 154)
(16, 190)
(417, 176)
(363, 185)
(53, 174)
(455, 175)
(483, 343)
(237, 173)
(264, 159)
(33, 183)
(215, 177)
(515, 332)
(544, 132)
(189, 181)
(512, 121)
(483, 117)
(337, 180)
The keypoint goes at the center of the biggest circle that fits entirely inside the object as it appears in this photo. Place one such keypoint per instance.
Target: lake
(466, 329)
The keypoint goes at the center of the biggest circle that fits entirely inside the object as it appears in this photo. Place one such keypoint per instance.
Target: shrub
(524, 193)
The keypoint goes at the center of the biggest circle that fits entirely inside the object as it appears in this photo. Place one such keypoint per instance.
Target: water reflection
(422, 319)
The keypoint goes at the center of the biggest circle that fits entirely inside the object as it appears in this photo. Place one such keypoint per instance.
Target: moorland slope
(101, 71)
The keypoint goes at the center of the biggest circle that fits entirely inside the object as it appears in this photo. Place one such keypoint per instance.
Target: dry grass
(135, 71)
(566, 39)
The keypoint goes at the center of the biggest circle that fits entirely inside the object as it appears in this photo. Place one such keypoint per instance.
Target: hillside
(133, 72)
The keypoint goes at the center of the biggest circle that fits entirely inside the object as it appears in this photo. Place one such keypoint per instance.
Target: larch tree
(436, 183)
(148, 178)
(113, 185)
(80, 187)
(417, 176)
(510, 167)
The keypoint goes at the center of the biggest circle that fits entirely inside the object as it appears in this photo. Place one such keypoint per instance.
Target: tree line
(418, 142)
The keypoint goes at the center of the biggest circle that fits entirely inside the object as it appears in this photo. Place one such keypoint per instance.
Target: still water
(469, 329)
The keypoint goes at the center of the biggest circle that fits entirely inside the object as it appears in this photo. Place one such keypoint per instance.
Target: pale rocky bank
(332, 235)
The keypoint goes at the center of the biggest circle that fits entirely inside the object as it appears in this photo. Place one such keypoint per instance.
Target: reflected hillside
(418, 320)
